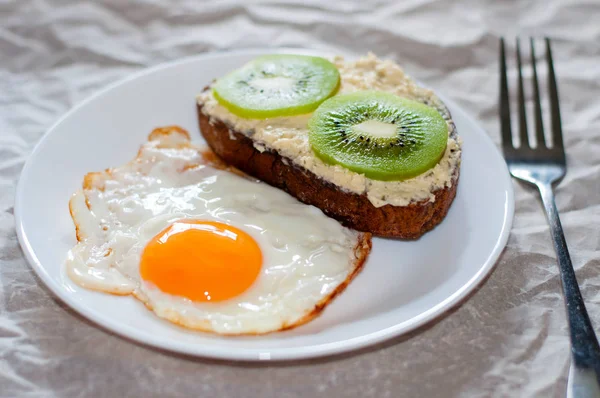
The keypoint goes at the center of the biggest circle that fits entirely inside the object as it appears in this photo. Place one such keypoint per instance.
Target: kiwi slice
(378, 134)
(277, 85)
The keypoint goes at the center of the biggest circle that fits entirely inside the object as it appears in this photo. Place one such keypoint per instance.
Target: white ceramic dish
(403, 284)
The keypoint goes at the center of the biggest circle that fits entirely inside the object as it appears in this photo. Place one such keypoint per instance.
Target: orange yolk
(201, 260)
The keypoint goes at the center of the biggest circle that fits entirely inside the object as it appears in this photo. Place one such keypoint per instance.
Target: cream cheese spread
(288, 136)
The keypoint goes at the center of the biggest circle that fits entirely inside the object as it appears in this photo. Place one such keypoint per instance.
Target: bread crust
(353, 210)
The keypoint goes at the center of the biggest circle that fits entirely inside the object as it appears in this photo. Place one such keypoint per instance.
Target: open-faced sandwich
(360, 140)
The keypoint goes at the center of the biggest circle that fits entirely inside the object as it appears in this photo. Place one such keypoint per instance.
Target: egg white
(307, 255)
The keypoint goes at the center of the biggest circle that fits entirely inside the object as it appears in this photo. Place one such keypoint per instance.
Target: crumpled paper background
(508, 339)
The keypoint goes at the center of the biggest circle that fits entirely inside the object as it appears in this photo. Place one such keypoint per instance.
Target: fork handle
(584, 378)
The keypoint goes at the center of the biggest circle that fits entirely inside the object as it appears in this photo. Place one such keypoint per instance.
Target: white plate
(403, 285)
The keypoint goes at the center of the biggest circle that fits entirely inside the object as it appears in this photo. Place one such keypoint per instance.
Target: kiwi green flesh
(381, 135)
(277, 85)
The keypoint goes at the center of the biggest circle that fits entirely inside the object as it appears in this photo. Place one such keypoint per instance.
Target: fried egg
(205, 247)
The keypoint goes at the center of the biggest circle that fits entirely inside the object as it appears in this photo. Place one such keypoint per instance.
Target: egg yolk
(201, 260)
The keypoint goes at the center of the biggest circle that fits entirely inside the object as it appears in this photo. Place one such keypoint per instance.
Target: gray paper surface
(508, 339)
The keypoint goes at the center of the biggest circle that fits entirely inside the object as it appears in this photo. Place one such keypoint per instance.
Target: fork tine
(539, 124)
(522, 116)
(504, 104)
(557, 139)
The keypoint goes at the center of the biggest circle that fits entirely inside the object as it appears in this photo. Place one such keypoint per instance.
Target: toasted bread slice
(278, 152)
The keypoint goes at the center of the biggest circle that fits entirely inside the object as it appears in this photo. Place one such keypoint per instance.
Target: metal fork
(543, 166)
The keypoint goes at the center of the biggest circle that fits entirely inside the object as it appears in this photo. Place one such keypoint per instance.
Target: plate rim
(251, 354)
